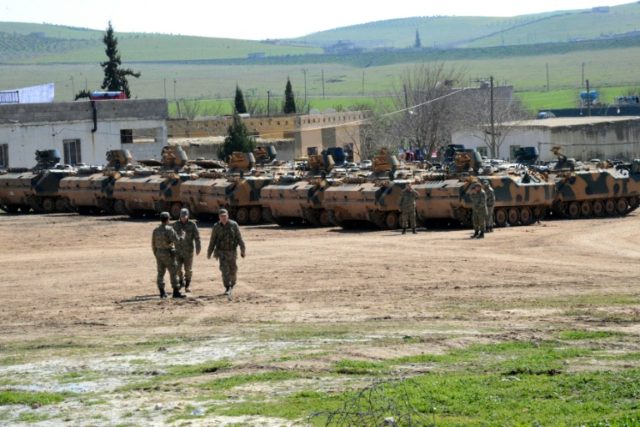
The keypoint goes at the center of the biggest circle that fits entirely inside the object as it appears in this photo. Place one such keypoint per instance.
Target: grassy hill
(448, 31)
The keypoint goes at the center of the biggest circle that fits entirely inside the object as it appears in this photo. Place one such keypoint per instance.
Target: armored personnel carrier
(154, 188)
(294, 200)
(373, 199)
(596, 193)
(91, 191)
(38, 188)
(233, 189)
(521, 198)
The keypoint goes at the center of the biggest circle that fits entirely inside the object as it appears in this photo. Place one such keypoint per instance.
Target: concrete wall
(606, 140)
(26, 128)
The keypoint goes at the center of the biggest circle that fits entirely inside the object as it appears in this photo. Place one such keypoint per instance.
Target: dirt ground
(69, 277)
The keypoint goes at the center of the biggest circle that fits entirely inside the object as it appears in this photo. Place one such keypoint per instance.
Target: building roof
(559, 122)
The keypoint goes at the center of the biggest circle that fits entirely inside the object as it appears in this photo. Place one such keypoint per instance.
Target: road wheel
(586, 209)
(120, 207)
(598, 208)
(513, 216)
(255, 215)
(574, 210)
(621, 206)
(526, 216)
(500, 217)
(633, 202)
(242, 216)
(610, 207)
(48, 205)
(391, 221)
(62, 205)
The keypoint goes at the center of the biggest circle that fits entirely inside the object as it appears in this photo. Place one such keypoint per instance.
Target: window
(72, 151)
(483, 151)
(126, 136)
(4, 155)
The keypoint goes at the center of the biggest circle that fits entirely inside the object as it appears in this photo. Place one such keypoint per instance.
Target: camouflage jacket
(191, 236)
(408, 199)
(225, 237)
(491, 196)
(163, 237)
(479, 200)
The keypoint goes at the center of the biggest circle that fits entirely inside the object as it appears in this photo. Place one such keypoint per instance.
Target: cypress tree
(115, 78)
(289, 99)
(238, 139)
(240, 106)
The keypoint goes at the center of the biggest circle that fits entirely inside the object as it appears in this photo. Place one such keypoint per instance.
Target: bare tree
(491, 115)
(426, 104)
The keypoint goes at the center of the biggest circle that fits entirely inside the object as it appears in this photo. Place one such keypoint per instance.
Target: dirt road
(92, 280)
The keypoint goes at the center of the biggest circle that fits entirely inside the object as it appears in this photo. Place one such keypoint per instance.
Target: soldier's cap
(184, 212)
(164, 215)
(223, 212)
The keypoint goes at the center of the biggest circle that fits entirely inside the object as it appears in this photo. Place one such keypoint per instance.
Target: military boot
(481, 235)
(414, 231)
(475, 234)
(163, 294)
(187, 282)
(404, 231)
(177, 294)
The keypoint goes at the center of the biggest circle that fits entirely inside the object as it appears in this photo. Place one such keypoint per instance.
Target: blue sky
(258, 19)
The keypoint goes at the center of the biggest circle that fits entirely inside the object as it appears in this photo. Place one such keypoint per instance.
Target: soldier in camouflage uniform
(479, 211)
(184, 249)
(408, 208)
(225, 238)
(491, 202)
(163, 243)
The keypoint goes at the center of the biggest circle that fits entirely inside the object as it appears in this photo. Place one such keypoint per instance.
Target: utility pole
(493, 128)
(268, 103)
(304, 71)
(547, 66)
(588, 99)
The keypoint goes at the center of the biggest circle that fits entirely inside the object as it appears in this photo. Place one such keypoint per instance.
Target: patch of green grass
(32, 417)
(13, 397)
(198, 369)
(576, 335)
(358, 367)
(78, 376)
(238, 380)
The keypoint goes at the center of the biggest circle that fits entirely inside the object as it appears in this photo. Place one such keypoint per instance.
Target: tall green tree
(418, 43)
(238, 139)
(115, 77)
(289, 99)
(240, 106)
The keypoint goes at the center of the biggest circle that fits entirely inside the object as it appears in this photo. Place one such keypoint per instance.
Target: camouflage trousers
(228, 267)
(408, 218)
(165, 260)
(185, 265)
(479, 218)
(490, 216)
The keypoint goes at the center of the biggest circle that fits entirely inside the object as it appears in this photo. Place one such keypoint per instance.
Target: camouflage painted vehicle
(38, 189)
(294, 200)
(231, 190)
(596, 193)
(521, 199)
(374, 199)
(149, 190)
(91, 191)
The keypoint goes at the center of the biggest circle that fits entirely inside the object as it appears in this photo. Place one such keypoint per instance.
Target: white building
(582, 138)
(82, 131)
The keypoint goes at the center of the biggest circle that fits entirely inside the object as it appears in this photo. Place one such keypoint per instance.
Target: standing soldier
(491, 202)
(408, 208)
(225, 238)
(184, 249)
(479, 212)
(163, 243)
